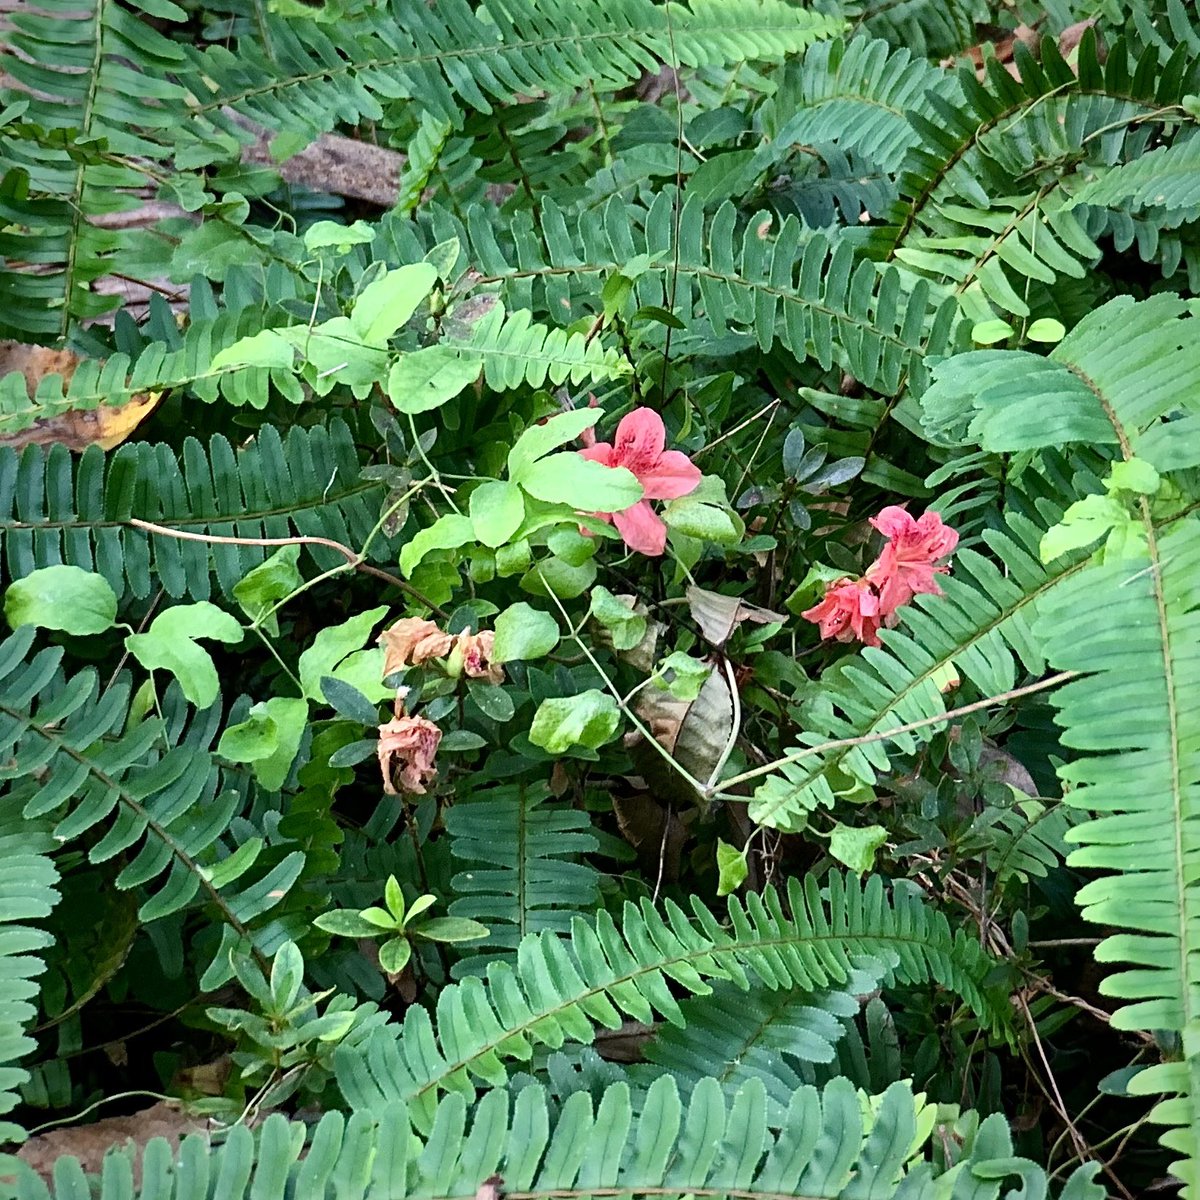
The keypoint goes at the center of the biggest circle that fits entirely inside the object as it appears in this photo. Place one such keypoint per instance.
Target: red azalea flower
(849, 610)
(639, 446)
(906, 567)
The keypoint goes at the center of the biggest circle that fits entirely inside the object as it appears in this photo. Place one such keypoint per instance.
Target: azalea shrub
(600, 598)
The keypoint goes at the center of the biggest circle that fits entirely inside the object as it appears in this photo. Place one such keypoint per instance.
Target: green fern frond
(1126, 376)
(980, 627)
(148, 792)
(983, 211)
(835, 1145)
(28, 893)
(929, 28)
(856, 93)
(92, 132)
(734, 280)
(772, 1036)
(54, 508)
(523, 867)
(451, 58)
(559, 990)
(1167, 178)
(1130, 627)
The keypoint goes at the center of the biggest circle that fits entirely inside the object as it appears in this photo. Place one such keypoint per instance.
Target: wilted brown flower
(476, 651)
(410, 744)
(410, 642)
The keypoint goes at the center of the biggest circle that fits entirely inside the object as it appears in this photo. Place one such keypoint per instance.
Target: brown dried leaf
(657, 833)
(719, 615)
(76, 429)
(90, 1143)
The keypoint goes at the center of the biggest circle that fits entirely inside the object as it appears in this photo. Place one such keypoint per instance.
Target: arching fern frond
(1126, 376)
(54, 508)
(733, 279)
(930, 28)
(832, 1147)
(856, 93)
(770, 1036)
(559, 989)
(451, 57)
(1167, 178)
(1130, 627)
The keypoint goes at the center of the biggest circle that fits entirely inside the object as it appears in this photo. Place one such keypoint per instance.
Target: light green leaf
(331, 646)
(589, 719)
(694, 518)
(539, 440)
(497, 509)
(268, 739)
(686, 675)
(446, 533)
(1046, 329)
(345, 923)
(267, 348)
(523, 632)
(394, 955)
(733, 868)
(625, 627)
(337, 354)
(261, 588)
(1085, 522)
(451, 929)
(383, 306)
(1133, 475)
(856, 847)
(170, 644)
(552, 576)
(61, 597)
(567, 478)
(332, 233)
(425, 379)
(988, 333)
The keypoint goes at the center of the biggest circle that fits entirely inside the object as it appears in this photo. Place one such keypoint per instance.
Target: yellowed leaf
(105, 426)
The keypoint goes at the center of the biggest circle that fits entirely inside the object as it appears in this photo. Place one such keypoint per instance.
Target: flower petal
(601, 452)
(672, 476)
(894, 521)
(639, 442)
(642, 528)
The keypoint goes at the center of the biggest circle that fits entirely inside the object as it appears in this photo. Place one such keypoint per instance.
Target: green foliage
(829, 1150)
(503, 810)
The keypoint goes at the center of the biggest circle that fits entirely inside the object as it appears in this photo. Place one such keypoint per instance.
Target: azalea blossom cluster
(856, 609)
(639, 446)
(408, 743)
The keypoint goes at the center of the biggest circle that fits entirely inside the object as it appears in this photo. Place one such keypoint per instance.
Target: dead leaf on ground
(657, 833)
(693, 732)
(90, 1143)
(106, 426)
(719, 615)
(1004, 44)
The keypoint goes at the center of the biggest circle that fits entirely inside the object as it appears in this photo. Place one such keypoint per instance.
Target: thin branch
(883, 735)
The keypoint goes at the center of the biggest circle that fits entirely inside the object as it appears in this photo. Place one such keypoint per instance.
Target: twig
(883, 735)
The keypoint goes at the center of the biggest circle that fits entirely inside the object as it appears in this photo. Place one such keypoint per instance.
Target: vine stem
(867, 738)
(355, 560)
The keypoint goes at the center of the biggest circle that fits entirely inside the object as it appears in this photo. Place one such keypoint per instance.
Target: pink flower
(664, 475)
(410, 642)
(906, 567)
(476, 651)
(409, 743)
(850, 609)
